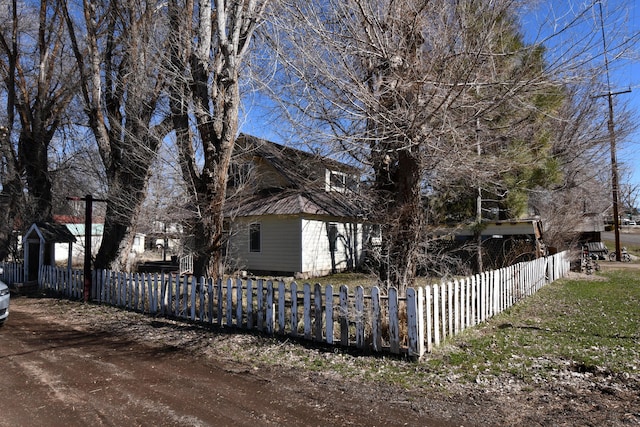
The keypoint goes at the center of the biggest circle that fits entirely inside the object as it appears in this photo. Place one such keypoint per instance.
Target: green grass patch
(581, 325)
(569, 327)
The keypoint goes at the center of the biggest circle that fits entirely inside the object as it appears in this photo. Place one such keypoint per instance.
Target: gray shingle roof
(305, 190)
(52, 232)
(295, 202)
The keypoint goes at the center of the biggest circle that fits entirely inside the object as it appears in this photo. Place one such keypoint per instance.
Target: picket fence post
(376, 319)
(317, 302)
(294, 309)
(436, 315)
(415, 322)
(210, 292)
(329, 312)
(344, 315)
(432, 328)
(260, 304)
(359, 299)
(394, 327)
(281, 307)
(249, 304)
(270, 321)
(307, 310)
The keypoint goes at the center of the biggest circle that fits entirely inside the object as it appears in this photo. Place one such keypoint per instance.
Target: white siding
(280, 244)
(62, 249)
(316, 256)
(294, 245)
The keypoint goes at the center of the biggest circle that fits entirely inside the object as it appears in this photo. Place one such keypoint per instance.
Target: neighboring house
(293, 213)
(504, 242)
(76, 226)
(165, 236)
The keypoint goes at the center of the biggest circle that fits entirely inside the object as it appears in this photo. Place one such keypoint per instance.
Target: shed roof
(50, 232)
(589, 223)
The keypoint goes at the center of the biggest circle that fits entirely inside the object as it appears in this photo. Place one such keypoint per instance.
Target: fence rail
(414, 324)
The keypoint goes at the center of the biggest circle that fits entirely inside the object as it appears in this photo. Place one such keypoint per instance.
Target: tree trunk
(10, 195)
(217, 160)
(10, 214)
(121, 83)
(33, 155)
(402, 233)
(223, 31)
(127, 190)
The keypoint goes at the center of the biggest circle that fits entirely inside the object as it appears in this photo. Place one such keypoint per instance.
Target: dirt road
(56, 372)
(65, 363)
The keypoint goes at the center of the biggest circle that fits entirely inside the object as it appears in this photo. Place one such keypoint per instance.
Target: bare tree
(629, 190)
(209, 43)
(122, 84)
(39, 78)
(403, 86)
(437, 98)
(11, 197)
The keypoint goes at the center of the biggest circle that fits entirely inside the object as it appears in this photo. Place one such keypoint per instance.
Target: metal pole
(88, 225)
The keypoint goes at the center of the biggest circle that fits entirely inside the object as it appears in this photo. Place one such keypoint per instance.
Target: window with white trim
(339, 181)
(255, 237)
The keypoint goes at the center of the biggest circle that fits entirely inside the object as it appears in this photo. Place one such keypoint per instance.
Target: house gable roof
(297, 167)
(304, 193)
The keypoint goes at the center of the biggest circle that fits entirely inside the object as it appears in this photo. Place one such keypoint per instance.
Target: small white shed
(39, 243)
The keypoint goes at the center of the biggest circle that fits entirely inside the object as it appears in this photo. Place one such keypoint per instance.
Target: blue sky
(621, 22)
(628, 77)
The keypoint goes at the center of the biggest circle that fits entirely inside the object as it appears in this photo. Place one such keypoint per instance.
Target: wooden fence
(369, 321)
(11, 272)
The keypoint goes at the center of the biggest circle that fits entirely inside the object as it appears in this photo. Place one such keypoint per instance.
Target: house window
(332, 231)
(254, 237)
(339, 181)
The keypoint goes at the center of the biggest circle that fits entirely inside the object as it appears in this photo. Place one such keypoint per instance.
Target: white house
(76, 226)
(290, 212)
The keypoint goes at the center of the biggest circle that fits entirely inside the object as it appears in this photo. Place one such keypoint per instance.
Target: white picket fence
(12, 272)
(329, 314)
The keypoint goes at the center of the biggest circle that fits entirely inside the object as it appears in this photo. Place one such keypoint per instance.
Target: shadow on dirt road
(56, 373)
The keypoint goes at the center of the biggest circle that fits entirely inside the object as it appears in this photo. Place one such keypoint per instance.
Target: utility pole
(88, 225)
(612, 139)
(614, 175)
(478, 230)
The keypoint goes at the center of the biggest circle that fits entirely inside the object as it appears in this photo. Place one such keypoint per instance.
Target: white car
(4, 302)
